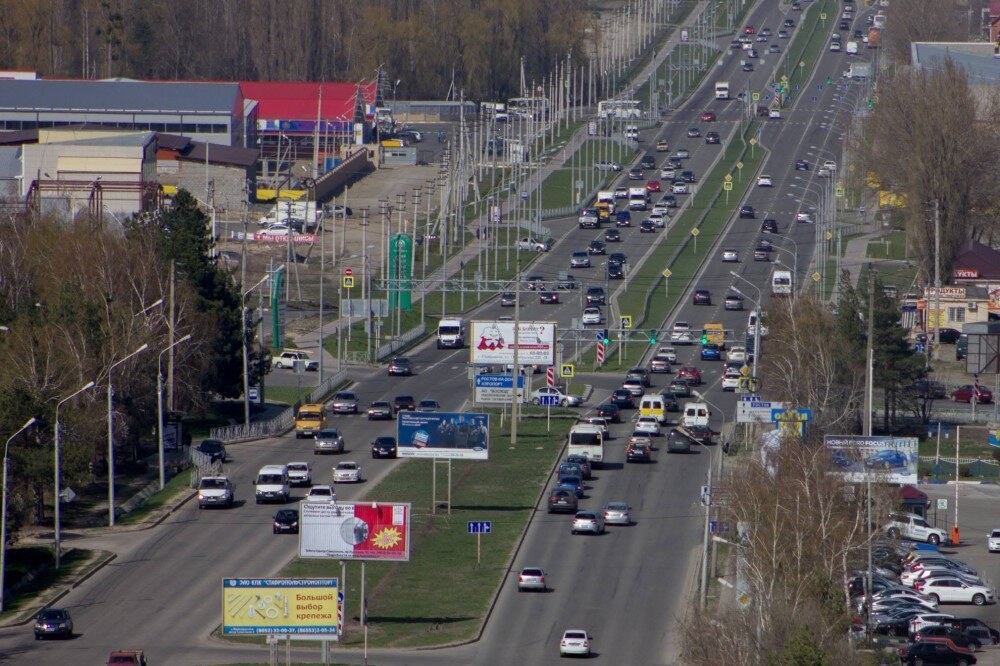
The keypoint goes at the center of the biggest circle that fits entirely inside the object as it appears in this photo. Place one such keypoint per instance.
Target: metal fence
(400, 342)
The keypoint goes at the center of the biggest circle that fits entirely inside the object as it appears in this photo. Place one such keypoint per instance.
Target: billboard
(754, 409)
(355, 530)
(893, 459)
(493, 388)
(270, 606)
(493, 343)
(460, 436)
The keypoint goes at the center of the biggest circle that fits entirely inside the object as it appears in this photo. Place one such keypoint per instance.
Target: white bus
(586, 440)
(525, 107)
(627, 109)
(722, 90)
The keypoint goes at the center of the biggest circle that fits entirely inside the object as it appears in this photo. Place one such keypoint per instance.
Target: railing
(400, 342)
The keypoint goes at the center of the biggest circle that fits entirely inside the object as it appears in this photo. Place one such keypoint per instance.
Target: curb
(100, 565)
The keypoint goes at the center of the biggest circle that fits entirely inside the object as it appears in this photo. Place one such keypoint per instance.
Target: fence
(968, 467)
(400, 342)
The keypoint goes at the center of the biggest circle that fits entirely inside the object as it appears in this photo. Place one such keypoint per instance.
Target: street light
(57, 457)
(3, 508)
(111, 434)
(159, 404)
(246, 358)
(757, 325)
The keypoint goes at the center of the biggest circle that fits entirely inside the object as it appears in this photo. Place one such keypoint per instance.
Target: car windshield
(575, 634)
(345, 396)
(329, 434)
(404, 398)
(211, 446)
(319, 490)
(617, 506)
(52, 615)
(385, 441)
(304, 414)
(216, 484)
(273, 479)
(380, 405)
(287, 514)
(347, 466)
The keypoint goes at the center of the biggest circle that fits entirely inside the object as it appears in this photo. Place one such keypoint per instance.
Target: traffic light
(829, 80)
(652, 337)
(870, 105)
(604, 336)
(704, 338)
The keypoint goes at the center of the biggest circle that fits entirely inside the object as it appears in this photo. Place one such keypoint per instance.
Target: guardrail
(400, 342)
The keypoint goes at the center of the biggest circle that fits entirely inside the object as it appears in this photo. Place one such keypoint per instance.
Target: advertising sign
(891, 458)
(496, 388)
(297, 239)
(400, 271)
(753, 409)
(493, 343)
(443, 435)
(355, 531)
(305, 607)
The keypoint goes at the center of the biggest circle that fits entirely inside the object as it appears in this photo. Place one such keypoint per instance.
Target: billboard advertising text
(443, 435)
(294, 606)
(493, 343)
(888, 459)
(354, 531)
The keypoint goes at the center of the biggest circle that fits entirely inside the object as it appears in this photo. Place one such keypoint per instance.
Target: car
(701, 297)
(700, 434)
(954, 590)
(993, 541)
(669, 200)
(752, 53)
(731, 379)
(571, 482)
(562, 500)
(508, 299)
(774, 48)
(679, 388)
(804, 217)
(681, 154)
(635, 174)
(400, 366)
(548, 297)
(711, 352)
(285, 521)
(913, 527)
(713, 138)
(532, 245)
(328, 440)
(970, 392)
(215, 491)
(761, 253)
(609, 412)
(934, 653)
(690, 374)
(622, 219)
(730, 255)
(612, 236)
(681, 334)
(678, 442)
(647, 162)
(887, 459)
(693, 132)
(595, 296)
(648, 425)
(51, 621)
(789, 23)
(921, 620)
(384, 447)
(687, 176)
(583, 462)
(733, 302)
(574, 642)
(299, 473)
(428, 405)
(662, 146)
(592, 316)
(623, 399)
(634, 386)
(617, 513)
(345, 402)
(566, 281)
(597, 421)
(621, 193)
(563, 399)
(638, 452)
(605, 165)
(984, 635)
(669, 352)
(532, 578)
(660, 364)
(765, 244)
(736, 355)
(748, 66)
(588, 521)
(783, 34)
(321, 494)
(276, 230)
(749, 30)
(214, 449)
(680, 188)
(379, 410)
(746, 211)
(949, 336)
(347, 472)
(801, 165)
(403, 403)
(945, 634)
(640, 373)
(615, 271)
(769, 226)
(668, 172)
(647, 227)
(764, 181)
(596, 246)
(652, 186)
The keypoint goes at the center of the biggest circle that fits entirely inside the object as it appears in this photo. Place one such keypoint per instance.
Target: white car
(804, 217)
(669, 352)
(617, 513)
(661, 208)
(730, 255)
(668, 173)
(588, 521)
(658, 218)
(321, 494)
(680, 188)
(276, 230)
(953, 590)
(764, 181)
(532, 245)
(737, 354)
(920, 581)
(299, 473)
(928, 620)
(592, 316)
(774, 114)
(649, 425)
(731, 380)
(347, 472)
(993, 541)
(835, 47)
(574, 642)
(681, 334)
(563, 399)
(830, 165)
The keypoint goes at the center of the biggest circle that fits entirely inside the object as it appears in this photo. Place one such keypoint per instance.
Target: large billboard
(271, 606)
(354, 530)
(890, 459)
(493, 343)
(459, 436)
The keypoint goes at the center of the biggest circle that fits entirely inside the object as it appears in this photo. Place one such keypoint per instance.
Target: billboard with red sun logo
(354, 530)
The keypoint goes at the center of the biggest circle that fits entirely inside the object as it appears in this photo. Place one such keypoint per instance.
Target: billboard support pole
(364, 610)
(434, 483)
(449, 487)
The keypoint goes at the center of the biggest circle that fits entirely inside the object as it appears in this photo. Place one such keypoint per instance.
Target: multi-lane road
(628, 588)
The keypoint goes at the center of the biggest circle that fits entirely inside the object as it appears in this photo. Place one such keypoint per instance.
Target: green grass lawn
(174, 488)
(558, 189)
(890, 246)
(23, 560)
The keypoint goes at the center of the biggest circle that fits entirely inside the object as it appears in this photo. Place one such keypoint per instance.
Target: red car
(691, 374)
(708, 117)
(653, 186)
(966, 393)
(749, 30)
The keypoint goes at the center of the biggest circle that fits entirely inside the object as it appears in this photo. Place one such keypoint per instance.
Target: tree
(921, 21)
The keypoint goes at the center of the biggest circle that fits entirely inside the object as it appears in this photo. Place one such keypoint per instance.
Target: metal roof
(977, 59)
(147, 97)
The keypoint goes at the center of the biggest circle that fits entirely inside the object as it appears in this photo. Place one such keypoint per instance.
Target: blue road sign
(791, 97)
(767, 98)
(814, 99)
(798, 87)
(600, 336)
(548, 400)
(524, 195)
(480, 527)
(819, 86)
(919, 347)
(713, 526)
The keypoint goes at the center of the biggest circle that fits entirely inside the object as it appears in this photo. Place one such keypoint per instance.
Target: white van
(852, 48)
(451, 334)
(586, 440)
(695, 414)
(272, 484)
(652, 404)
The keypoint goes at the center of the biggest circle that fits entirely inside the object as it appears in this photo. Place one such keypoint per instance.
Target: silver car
(345, 402)
(531, 578)
(617, 513)
(299, 473)
(347, 472)
(329, 440)
(588, 521)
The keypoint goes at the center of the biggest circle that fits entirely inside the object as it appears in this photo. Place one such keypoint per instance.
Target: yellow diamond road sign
(802, 63)
(753, 142)
(348, 282)
(784, 79)
(566, 370)
(695, 232)
(816, 277)
(828, 235)
(667, 272)
(729, 178)
(739, 165)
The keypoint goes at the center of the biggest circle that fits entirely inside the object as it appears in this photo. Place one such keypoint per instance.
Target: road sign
(695, 232)
(727, 186)
(548, 400)
(755, 96)
(667, 272)
(600, 352)
(348, 271)
(839, 193)
(814, 99)
(348, 282)
(816, 277)
(822, 16)
(67, 495)
(480, 527)
(626, 321)
(802, 63)
(753, 142)
(942, 504)
(729, 178)
(524, 195)
(739, 165)
(751, 409)
(567, 370)
(784, 79)
(828, 235)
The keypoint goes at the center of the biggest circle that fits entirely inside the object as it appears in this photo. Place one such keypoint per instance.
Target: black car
(945, 633)
(670, 200)
(286, 521)
(801, 165)
(713, 137)
(746, 211)
(622, 398)
(567, 282)
(976, 628)
(635, 174)
(53, 622)
(748, 67)
(595, 295)
(404, 402)
(549, 297)
(609, 411)
(687, 176)
(789, 23)
(535, 283)
(384, 447)
(670, 402)
(640, 373)
(615, 272)
(844, 25)
(638, 453)
(858, 34)
(702, 297)
(769, 225)
(213, 448)
(765, 244)
(647, 227)
(596, 247)
(934, 653)
(949, 336)
(617, 258)
(508, 299)
(400, 366)
(679, 388)
(648, 162)
(612, 236)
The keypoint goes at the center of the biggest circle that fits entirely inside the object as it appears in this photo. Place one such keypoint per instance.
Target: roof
(241, 157)
(10, 162)
(911, 493)
(124, 139)
(87, 96)
(977, 59)
(18, 137)
(982, 258)
(290, 100)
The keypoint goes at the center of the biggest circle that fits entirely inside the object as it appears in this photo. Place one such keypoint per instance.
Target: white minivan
(695, 414)
(652, 404)
(272, 484)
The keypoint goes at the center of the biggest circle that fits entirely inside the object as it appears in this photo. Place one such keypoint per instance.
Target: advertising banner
(443, 435)
(496, 388)
(297, 239)
(355, 531)
(400, 271)
(890, 459)
(493, 343)
(304, 607)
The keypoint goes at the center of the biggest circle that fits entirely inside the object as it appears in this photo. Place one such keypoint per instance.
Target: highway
(627, 587)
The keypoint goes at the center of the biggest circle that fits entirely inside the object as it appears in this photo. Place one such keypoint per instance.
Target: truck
(637, 198)
(451, 333)
(858, 70)
(852, 48)
(722, 90)
(874, 37)
(289, 357)
(713, 333)
(781, 283)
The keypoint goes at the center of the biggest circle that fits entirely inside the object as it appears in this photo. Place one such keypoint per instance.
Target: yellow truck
(308, 420)
(714, 334)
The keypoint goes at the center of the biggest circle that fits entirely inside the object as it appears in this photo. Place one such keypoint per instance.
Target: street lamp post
(246, 358)
(159, 405)
(111, 434)
(3, 509)
(756, 328)
(58, 491)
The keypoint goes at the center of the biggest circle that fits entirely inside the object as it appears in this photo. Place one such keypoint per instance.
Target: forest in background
(425, 44)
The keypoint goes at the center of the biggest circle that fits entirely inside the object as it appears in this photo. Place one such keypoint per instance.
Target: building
(959, 305)
(994, 22)
(209, 112)
(978, 59)
(222, 177)
(978, 265)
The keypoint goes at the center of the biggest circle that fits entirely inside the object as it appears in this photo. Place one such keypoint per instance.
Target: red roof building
(292, 107)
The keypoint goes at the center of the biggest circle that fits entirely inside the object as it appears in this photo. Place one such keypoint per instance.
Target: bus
(529, 107)
(586, 440)
(497, 109)
(628, 109)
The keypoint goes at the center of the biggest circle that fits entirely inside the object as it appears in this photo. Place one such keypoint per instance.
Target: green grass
(289, 395)
(440, 595)
(21, 561)
(808, 49)
(558, 189)
(174, 487)
(890, 246)
(900, 276)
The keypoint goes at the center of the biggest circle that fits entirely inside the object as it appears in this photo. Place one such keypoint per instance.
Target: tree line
(424, 44)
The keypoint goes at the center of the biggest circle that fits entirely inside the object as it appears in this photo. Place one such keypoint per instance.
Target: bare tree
(922, 21)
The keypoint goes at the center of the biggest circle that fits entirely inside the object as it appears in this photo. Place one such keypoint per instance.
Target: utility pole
(870, 353)
(516, 369)
(171, 325)
(937, 278)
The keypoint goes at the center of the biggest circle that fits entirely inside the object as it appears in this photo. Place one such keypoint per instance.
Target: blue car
(572, 482)
(711, 353)
(887, 459)
(840, 459)
(624, 218)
